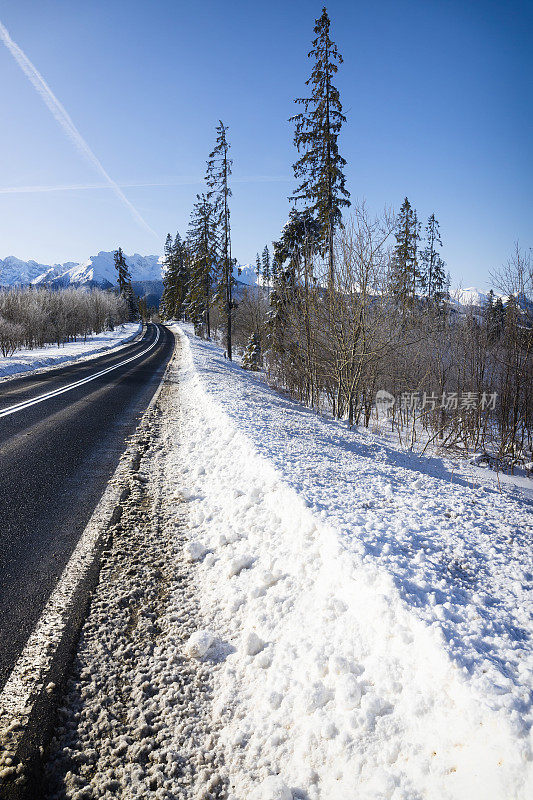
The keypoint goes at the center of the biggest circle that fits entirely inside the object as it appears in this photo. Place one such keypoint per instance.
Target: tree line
(35, 317)
(198, 274)
(361, 304)
(351, 303)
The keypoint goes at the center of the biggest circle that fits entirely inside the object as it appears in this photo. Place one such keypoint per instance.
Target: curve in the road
(56, 458)
(48, 395)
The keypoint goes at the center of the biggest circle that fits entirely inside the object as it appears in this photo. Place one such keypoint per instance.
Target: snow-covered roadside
(52, 355)
(372, 616)
(135, 719)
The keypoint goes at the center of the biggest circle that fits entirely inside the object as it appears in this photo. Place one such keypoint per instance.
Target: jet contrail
(165, 184)
(65, 121)
(71, 187)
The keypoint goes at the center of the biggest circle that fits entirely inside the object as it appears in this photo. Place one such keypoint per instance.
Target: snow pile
(51, 355)
(372, 616)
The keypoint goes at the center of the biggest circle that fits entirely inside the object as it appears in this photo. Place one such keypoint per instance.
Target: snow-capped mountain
(14, 272)
(246, 274)
(100, 269)
(469, 297)
(97, 270)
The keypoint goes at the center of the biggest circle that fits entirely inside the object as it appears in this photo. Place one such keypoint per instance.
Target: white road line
(42, 397)
(31, 672)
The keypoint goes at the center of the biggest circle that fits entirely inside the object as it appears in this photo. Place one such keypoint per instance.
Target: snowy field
(30, 360)
(367, 611)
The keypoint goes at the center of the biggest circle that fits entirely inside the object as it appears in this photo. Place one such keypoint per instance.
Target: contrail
(66, 123)
(171, 182)
(71, 187)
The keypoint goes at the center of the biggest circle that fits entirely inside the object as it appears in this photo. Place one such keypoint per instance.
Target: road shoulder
(31, 694)
(135, 719)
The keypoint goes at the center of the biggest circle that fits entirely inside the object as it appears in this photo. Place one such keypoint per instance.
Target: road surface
(56, 457)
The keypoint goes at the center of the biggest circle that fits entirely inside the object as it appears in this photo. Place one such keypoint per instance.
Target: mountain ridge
(98, 270)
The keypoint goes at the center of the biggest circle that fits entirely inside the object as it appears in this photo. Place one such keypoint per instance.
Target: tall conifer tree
(317, 127)
(405, 273)
(217, 178)
(167, 298)
(123, 272)
(431, 264)
(266, 269)
(202, 240)
(175, 278)
(124, 282)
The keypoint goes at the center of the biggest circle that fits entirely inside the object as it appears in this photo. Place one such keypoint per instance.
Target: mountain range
(146, 273)
(98, 270)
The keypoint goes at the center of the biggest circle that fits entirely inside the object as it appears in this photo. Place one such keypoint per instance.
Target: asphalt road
(56, 458)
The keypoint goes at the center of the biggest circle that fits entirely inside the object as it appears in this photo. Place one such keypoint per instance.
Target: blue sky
(437, 95)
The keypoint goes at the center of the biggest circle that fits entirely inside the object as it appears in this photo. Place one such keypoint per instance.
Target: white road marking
(31, 671)
(48, 395)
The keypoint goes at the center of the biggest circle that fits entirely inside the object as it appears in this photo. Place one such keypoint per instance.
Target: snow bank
(52, 355)
(372, 616)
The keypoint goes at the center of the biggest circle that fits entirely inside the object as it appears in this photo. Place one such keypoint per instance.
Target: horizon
(451, 136)
(455, 288)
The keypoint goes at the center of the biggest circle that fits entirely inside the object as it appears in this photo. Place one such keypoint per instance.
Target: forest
(34, 317)
(350, 303)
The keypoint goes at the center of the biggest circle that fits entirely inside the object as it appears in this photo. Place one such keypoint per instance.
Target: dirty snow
(373, 606)
(25, 360)
(134, 720)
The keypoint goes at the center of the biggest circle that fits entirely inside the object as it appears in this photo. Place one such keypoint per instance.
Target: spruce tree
(143, 309)
(489, 317)
(124, 283)
(252, 355)
(511, 317)
(168, 296)
(202, 238)
(217, 178)
(292, 271)
(404, 273)
(300, 239)
(499, 317)
(123, 272)
(175, 278)
(265, 264)
(317, 128)
(180, 273)
(433, 276)
(258, 267)
(281, 298)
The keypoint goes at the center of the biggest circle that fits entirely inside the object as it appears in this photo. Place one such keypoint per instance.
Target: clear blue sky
(437, 95)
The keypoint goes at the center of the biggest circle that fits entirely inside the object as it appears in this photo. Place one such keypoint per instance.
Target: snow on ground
(290, 610)
(49, 356)
(370, 610)
(134, 721)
